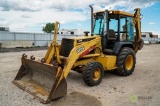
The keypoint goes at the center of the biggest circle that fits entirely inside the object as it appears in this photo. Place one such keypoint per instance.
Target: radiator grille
(66, 46)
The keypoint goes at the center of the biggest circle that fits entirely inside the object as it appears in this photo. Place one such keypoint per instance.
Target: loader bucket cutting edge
(40, 80)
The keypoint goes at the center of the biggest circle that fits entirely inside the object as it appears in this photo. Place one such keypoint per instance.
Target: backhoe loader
(111, 46)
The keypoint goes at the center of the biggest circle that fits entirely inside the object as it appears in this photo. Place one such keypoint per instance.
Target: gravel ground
(142, 88)
(18, 49)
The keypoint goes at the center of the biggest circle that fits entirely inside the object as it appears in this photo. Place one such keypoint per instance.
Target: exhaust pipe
(91, 20)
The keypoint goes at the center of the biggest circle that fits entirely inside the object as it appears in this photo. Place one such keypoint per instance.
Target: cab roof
(117, 12)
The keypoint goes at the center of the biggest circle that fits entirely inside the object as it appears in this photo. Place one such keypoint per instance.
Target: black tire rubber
(122, 55)
(88, 73)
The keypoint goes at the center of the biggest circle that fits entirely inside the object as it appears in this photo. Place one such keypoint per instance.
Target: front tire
(125, 61)
(93, 73)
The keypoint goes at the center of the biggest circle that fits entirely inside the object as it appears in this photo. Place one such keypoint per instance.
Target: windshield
(99, 25)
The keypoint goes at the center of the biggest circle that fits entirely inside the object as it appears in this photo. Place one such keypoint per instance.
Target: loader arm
(74, 55)
(76, 52)
(53, 50)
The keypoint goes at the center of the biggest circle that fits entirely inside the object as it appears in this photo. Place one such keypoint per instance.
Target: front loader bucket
(41, 80)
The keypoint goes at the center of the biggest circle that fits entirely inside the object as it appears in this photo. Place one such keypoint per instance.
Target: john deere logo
(133, 98)
(80, 49)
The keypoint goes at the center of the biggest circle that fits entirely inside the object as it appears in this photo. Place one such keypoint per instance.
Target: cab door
(130, 29)
(126, 29)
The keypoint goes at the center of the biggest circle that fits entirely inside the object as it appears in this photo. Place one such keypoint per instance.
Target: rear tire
(125, 62)
(93, 73)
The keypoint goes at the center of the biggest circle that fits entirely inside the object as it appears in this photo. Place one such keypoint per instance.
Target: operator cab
(114, 27)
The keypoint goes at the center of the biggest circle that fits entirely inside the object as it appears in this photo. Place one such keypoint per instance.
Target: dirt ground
(142, 88)
(18, 49)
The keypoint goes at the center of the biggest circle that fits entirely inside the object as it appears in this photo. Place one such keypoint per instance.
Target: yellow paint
(82, 37)
(73, 56)
(117, 12)
(108, 61)
(82, 62)
(54, 48)
(129, 62)
(96, 74)
(91, 55)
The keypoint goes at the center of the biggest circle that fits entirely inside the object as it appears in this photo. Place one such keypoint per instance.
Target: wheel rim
(129, 62)
(96, 74)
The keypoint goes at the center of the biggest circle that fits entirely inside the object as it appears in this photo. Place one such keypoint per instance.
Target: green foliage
(48, 28)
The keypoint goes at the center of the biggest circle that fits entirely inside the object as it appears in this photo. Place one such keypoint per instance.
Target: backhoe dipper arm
(137, 24)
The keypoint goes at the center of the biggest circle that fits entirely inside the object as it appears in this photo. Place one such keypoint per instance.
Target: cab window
(99, 25)
(126, 29)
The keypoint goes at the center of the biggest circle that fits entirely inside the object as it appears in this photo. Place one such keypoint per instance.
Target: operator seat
(110, 41)
(111, 34)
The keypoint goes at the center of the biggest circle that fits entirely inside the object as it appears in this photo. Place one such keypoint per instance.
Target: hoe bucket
(41, 80)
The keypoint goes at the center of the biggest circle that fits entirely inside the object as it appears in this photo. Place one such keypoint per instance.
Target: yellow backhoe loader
(111, 46)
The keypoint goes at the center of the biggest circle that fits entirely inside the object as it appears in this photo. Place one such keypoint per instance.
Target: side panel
(119, 45)
(108, 62)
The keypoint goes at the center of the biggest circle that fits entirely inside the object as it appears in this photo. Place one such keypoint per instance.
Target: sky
(32, 15)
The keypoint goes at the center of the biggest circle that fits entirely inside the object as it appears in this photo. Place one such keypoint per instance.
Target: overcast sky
(31, 15)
